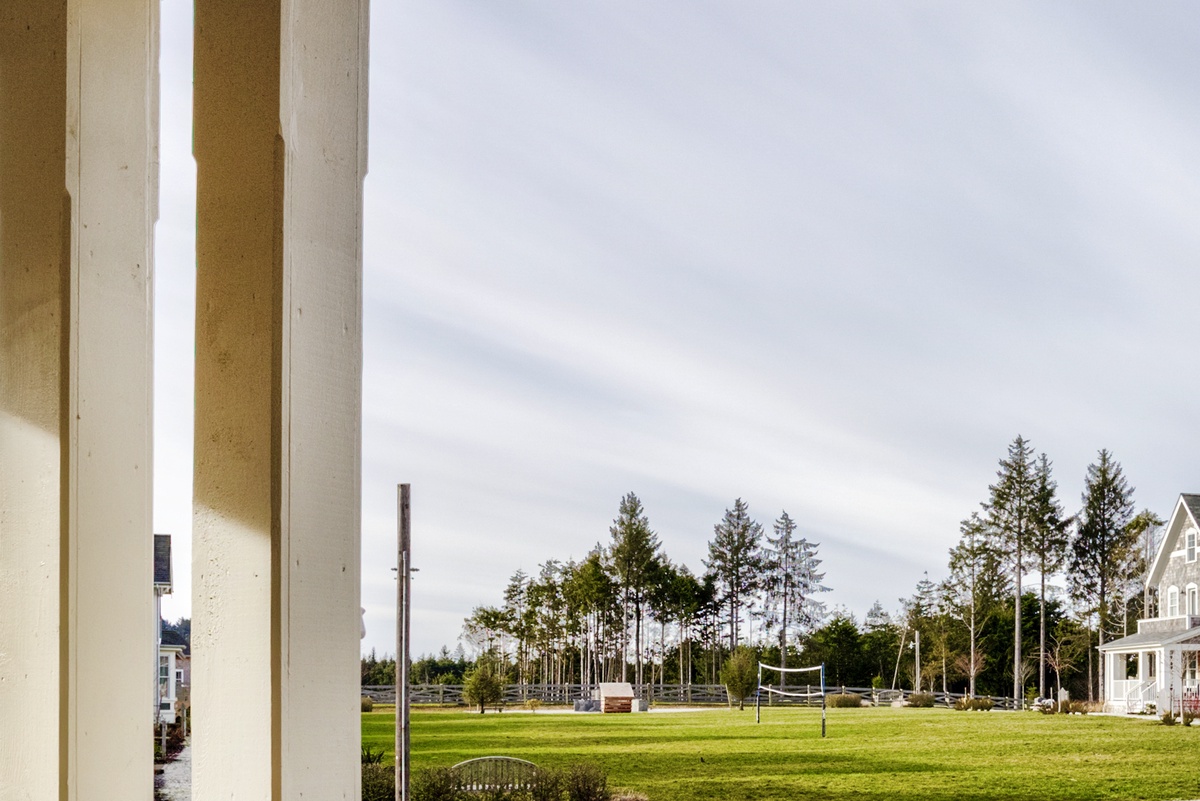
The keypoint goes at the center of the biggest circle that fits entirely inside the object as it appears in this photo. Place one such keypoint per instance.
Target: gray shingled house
(1157, 665)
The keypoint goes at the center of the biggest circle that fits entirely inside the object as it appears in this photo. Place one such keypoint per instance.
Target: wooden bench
(488, 774)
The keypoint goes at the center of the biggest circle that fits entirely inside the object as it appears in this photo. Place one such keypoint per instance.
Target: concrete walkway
(176, 782)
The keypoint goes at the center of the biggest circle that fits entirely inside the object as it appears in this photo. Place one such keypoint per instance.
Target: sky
(830, 258)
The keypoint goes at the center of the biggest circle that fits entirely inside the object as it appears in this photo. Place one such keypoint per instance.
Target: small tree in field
(740, 675)
(484, 684)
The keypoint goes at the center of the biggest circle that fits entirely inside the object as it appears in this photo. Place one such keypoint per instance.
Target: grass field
(868, 754)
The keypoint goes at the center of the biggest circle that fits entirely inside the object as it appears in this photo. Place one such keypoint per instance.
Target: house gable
(1185, 516)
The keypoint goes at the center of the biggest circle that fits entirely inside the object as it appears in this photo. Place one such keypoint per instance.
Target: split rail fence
(685, 694)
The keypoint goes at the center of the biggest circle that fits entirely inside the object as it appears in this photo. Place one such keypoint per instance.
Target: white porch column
(78, 142)
(280, 146)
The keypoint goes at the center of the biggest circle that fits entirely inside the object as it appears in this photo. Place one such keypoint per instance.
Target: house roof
(172, 637)
(1187, 511)
(162, 560)
(1151, 639)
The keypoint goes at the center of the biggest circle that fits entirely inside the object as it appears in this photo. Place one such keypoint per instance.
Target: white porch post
(280, 146)
(78, 142)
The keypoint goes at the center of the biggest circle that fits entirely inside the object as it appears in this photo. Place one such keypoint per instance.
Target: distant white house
(1157, 665)
(171, 662)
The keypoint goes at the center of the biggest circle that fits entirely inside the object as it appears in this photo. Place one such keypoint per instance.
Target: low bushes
(921, 700)
(367, 703)
(378, 782)
(973, 705)
(1067, 708)
(586, 782)
(580, 782)
(844, 700)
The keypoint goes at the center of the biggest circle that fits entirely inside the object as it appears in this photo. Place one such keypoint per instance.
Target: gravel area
(175, 782)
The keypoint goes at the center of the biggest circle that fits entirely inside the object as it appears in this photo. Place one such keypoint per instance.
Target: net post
(822, 699)
(758, 697)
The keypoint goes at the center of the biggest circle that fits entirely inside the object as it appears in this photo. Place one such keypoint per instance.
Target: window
(1191, 544)
(1193, 608)
(1173, 602)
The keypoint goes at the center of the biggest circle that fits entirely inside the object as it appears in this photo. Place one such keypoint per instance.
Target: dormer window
(1191, 544)
(1173, 602)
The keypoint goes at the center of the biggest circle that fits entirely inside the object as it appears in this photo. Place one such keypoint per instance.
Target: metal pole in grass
(758, 697)
(822, 699)
(403, 607)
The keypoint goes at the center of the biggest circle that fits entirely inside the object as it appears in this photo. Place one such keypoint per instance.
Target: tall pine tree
(1047, 548)
(634, 550)
(736, 561)
(976, 584)
(1010, 520)
(1103, 540)
(791, 583)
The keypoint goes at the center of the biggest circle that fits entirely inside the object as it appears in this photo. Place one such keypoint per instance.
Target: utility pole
(917, 663)
(403, 608)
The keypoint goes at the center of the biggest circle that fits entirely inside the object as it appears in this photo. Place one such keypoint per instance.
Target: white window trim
(1172, 601)
(1191, 594)
(1189, 540)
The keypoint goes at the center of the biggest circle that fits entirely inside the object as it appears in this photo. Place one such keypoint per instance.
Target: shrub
(586, 782)
(429, 784)
(533, 704)
(1168, 719)
(921, 700)
(367, 703)
(548, 785)
(739, 674)
(1079, 707)
(1187, 717)
(372, 757)
(844, 700)
(973, 705)
(484, 685)
(378, 782)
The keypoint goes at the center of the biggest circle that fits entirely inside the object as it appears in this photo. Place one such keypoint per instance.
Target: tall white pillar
(280, 146)
(78, 145)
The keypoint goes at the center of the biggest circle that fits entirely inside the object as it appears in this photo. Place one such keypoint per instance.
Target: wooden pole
(403, 608)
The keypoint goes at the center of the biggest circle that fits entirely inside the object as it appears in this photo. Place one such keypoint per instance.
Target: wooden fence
(684, 694)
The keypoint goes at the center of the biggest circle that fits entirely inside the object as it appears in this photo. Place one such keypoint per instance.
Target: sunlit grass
(868, 753)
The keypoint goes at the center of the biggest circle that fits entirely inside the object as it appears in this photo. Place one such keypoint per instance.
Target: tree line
(627, 612)
(1028, 592)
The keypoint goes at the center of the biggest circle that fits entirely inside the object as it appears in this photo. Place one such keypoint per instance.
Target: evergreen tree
(1010, 519)
(739, 674)
(1100, 552)
(1047, 548)
(736, 562)
(1145, 528)
(790, 585)
(838, 645)
(634, 550)
(976, 584)
(920, 611)
(484, 684)
(880, 641)
(592, 593)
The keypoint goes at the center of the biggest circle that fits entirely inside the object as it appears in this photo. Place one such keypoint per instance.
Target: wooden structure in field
(616, 696)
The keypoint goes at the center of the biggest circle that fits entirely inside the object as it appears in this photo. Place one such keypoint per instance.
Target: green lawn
(868, 754)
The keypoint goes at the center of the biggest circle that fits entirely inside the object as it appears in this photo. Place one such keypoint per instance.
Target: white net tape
(789, 693)
(778, 669)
